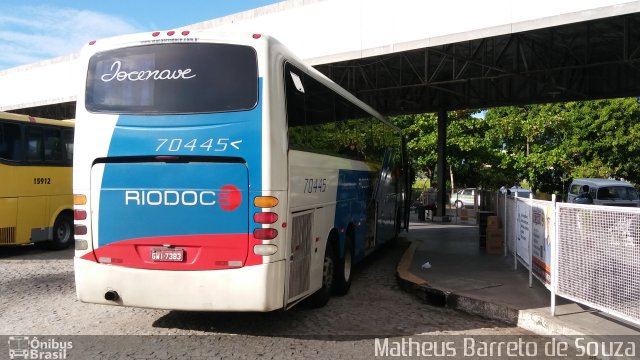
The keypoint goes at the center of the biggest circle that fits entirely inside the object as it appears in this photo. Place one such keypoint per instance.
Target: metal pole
(552, 257)
(530, 255)
(516, 225)
(505, 227)
(442, 162)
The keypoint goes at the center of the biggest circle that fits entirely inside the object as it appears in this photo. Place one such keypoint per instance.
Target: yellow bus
(36, 201)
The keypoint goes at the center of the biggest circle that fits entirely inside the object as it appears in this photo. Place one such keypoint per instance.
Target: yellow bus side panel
(19, 181)
(31, 215)
(38, 195)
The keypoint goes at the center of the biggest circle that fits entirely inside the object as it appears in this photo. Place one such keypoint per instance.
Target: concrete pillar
(441, 212)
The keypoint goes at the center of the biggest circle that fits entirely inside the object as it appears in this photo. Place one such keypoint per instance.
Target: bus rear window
(10, 142)
(173, 79)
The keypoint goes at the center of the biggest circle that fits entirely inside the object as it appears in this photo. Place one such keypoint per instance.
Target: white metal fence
(586, 253)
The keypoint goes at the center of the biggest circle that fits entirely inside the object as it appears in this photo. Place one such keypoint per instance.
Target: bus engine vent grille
(301, 251)
(8, 235)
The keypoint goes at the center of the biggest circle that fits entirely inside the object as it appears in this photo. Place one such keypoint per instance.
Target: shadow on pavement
(34, 252)
(375, 307)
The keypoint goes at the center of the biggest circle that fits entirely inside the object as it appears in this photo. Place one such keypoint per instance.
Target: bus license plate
(168, 255)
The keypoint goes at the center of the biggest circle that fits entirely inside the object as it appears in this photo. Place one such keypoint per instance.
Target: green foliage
(546, 145)
(421, 184)
(470, 158)
(552, 143)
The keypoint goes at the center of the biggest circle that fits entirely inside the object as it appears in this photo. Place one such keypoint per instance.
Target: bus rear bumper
(250, 288)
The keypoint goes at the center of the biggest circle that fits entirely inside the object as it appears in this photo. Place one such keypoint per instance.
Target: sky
(32, 31)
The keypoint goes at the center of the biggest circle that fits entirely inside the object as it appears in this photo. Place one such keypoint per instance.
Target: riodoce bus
(219, 172)
(36, 200)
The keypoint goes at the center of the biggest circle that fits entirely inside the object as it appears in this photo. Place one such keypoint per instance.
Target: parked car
(464, 197)
(603, 192)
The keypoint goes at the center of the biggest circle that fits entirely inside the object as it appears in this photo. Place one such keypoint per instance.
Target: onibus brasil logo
(25, 347)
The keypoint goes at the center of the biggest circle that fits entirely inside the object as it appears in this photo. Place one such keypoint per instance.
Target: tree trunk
(451, 177)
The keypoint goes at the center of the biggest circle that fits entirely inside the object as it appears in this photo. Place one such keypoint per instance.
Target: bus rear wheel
(343, 267)
(321, 297)
(62, 232)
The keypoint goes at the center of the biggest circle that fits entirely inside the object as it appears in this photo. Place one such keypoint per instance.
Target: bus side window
(34, 144)
(295, 110)
(4, 144)
(10, 142)
(67, 140)
(52, 145)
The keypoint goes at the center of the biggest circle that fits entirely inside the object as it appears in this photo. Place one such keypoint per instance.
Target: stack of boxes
(495, 239)
(463, 214)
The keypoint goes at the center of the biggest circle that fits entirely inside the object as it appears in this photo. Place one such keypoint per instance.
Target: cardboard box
(495, 240)
(493, 222)
(495, 233)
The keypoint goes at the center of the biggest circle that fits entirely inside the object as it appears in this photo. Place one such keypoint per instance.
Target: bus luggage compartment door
(8, 218)
(172, 216)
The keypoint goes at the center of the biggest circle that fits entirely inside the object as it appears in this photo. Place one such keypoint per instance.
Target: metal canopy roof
(574, 60)
(579, 61)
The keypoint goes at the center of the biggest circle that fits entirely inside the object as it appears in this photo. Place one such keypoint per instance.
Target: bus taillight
(265, 234)
(79, 215)
(265, 201)
(265, 217)
(79, 199)
(265, 249)
(80, 230)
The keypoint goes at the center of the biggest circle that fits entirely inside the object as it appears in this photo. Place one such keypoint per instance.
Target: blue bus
(219, 172)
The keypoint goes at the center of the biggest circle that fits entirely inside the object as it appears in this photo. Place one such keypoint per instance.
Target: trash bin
(421, 209)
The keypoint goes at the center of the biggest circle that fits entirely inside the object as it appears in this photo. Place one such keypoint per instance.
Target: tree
(467, 155)
(550, 144)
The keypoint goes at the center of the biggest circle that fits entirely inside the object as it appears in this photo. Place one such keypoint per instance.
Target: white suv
(605, 192)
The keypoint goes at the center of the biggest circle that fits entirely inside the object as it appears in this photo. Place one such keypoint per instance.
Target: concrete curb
(536, 320)
(443, 298)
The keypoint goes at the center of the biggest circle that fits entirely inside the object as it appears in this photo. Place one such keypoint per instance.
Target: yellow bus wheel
(62, 232)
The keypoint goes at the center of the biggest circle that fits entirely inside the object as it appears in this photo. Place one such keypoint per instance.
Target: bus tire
(343, 269)
(321, 297)
(398, 224)
(62, 232)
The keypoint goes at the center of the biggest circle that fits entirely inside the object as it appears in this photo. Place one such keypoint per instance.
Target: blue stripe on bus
(354, 206)
(233, 134)
(157, 199)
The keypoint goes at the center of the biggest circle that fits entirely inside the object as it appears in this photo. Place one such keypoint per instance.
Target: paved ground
(38, 297)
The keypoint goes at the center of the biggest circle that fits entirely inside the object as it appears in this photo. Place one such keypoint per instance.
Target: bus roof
(36, 120)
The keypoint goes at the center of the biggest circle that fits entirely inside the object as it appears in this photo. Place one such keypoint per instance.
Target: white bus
(219, 172)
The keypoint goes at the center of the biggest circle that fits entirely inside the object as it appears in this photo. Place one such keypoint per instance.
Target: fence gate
(598, 260)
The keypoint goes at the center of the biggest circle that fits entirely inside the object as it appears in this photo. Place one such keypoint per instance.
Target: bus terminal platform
(444, 265)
